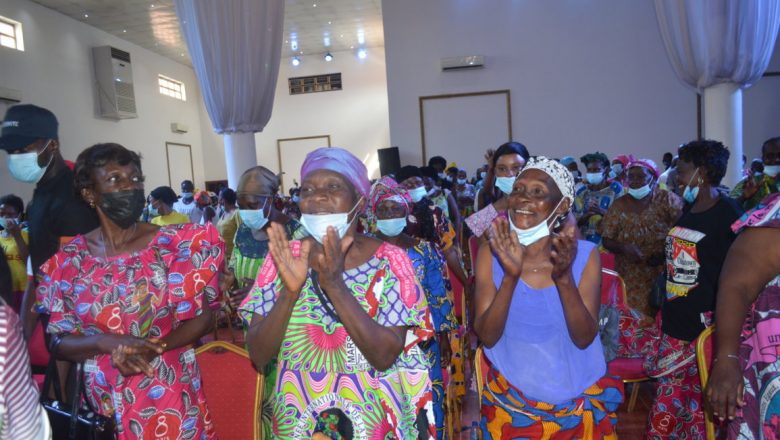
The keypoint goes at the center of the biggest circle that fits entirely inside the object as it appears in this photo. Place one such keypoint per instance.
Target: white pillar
(240, 155)
(723, 122)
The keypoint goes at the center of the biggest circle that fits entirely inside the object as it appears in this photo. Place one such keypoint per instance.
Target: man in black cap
(29, 135)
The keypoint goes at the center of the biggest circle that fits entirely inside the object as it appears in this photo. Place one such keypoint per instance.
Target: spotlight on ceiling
(328, 57)
(362, 54)
(296, 61)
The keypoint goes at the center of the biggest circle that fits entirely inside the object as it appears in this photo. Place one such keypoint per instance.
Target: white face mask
(505, 184)
(640, 193)
(24, 167)
(317, 224)
(461, 181)
(771, 170)
(483, 174)
(594, 178)
(5, 221)
(391, 227)
(418, 193)
(527, 237)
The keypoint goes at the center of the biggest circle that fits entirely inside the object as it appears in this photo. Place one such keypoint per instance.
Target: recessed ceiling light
(328, 57)
(296, 61)
(152, 5)
(342, 35)
(328, 22)
(86, 15)
(182, 54)
(124, 31)
(362, 54)
(351, 47)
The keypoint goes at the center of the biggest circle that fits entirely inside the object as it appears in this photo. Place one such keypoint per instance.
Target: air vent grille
(120, 54)
(316, 83)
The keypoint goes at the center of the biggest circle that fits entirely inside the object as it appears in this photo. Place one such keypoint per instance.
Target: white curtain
(235, 46)
(718, 41)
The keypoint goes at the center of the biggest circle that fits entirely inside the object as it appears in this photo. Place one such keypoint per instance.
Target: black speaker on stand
(389, 160)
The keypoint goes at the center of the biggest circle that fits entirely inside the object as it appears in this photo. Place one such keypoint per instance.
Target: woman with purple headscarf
(336, 310)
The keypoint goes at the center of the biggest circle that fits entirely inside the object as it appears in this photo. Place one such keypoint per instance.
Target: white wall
(55, 71)
(761, 110)
(584, 75)
(356, 118)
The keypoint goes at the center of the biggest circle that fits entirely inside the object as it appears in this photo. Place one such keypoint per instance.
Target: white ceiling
(153, 24)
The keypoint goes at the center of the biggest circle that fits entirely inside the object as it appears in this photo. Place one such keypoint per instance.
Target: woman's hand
(13, 228)
(725, 388)
(445, 349)
(293, 270)
(109, 342)
(564, 249)
(130, 361)
(329, 258)
(237, 295)
(506, 247)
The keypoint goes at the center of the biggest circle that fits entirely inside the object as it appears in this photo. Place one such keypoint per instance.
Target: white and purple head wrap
(339, 161)
(559, 174)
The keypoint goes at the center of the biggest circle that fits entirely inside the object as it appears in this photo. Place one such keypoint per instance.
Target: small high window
(171, 87)
(11, 34)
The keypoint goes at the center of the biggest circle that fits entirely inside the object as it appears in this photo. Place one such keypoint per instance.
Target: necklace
(113, 248)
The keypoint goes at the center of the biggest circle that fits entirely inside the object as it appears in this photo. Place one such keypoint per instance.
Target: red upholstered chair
(233, 388)
(704, 346)
(629, 370)
(473, 249)
(39, 355)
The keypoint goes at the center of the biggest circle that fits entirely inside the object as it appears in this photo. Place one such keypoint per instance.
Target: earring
(92, 204)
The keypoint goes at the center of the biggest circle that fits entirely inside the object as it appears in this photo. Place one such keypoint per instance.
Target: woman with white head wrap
(537, 315)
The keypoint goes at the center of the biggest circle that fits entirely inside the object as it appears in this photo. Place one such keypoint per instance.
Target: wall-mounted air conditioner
(462, 63)
(114, 79)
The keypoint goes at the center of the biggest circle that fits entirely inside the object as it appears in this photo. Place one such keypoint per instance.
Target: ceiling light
(152, 5)
(362, 54)
(326, 40)
(328, 57)
(124, 31)
(86, 15)
(314, 5)
(296, 61)
(328, 22)
(361, 36)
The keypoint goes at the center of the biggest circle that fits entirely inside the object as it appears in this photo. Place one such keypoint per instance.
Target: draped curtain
(711, 42)
(235, 46)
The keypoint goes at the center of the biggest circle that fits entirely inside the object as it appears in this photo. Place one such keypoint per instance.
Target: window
(171, 87)
(11, 34)
(317, 83)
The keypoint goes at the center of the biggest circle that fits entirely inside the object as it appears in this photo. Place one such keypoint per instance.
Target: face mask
(690, 194)
(391, 227)
(123, 207)
(526, 237)
(617, 169)
(432, 192)
(296, 199)
(449, 178)
(254, 218)
(461, 181)
(483, 175)
(576, 174)
(317, 225)
(153, 212)
(187, 195)
(418, 193)
(771, 170)
(640, 193)
(5, 221)
(594, 178)
(24, 167)
(505, 184)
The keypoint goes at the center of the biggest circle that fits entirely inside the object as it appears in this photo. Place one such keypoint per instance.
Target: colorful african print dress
(759, 352)
(602, 198)
(319, 365)
(147, 294)
(248, 256)
(431, 269)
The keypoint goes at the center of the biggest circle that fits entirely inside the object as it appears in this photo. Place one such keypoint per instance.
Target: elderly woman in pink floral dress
(128, 300)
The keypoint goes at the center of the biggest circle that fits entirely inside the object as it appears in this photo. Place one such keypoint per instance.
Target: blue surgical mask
(772, 170)
(391, 227)
(317, 224)
(483, 175)
(187, 195)
(418, 193)
(690, 194)
(24, 167)
(617, 169)
(254, 218)
(296, 198)
(152, 211)
(505, 184)
(594, 178)
(4, 221)
(527, 237)
(639, 193)
(461, 181)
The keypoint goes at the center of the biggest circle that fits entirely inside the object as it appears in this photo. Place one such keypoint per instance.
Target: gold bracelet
(733, 356)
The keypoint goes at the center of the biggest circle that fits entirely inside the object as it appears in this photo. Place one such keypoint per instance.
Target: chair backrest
(612, 286)
(704, 346)
(457, 296)
(233, 388)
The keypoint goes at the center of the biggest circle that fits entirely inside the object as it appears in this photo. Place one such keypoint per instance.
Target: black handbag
(71, 420)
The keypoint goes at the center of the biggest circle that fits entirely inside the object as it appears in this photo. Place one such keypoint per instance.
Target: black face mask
(123, 207)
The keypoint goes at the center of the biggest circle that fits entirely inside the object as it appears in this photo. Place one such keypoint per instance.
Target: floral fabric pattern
(145, 294)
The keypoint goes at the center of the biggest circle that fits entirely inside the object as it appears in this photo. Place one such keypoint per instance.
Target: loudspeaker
(389, 160)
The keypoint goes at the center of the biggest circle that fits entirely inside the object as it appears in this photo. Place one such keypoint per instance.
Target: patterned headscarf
(624, 159)
(645, 163)
(386, 189)
(340, 161)
(559, 173)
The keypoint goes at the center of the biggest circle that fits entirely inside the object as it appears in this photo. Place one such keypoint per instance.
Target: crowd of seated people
(362, 301)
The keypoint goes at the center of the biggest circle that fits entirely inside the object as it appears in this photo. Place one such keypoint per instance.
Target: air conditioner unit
(177, 127)
(462, 63)
(114, 78)
(10, 95)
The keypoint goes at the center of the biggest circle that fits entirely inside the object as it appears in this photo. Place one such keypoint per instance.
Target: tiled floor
(630, 425)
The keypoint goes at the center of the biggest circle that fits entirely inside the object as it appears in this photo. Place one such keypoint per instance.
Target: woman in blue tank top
(537, 308)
